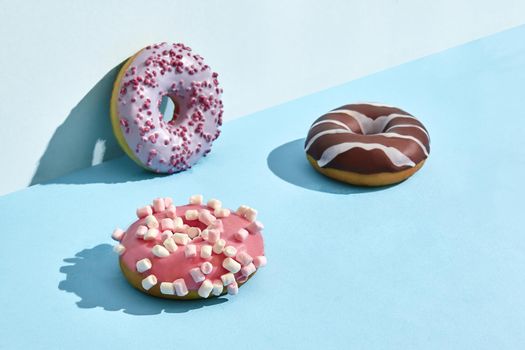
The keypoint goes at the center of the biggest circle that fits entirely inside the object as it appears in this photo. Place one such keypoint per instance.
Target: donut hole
(169, 109)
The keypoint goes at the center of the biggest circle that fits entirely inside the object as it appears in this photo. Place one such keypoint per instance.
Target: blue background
(434, 262)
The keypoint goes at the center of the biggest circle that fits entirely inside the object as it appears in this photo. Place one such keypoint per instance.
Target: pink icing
(171, 70)
(176, 265)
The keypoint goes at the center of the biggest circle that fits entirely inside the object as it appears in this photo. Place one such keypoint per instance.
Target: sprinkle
(151, 221)
(227, 279)
(233, 288)
(230, 251)
(218, 247)
(248, 270)
(213, 236)
(214, 204)
(196, 199)
(149, 282)
(151, 234)
(217, 288)
(170, 245)
(191, 214)
(193, 232)
(144, 211)
(260, 261)
(119, 249)
(117, 234)
(181, 238)
(143, 265)
(197, 275)
(207, 267)
(141, 231)
(205, 289)
(206, 217)
(221, 212)
(255, 227)
(190, 251)
(167, 224)
(159, 251)
(167, 288)
(180, 287)
(241, 235)
(244, 258)
(159, 205)
(231, 265)
(166, 234)
(206, 251)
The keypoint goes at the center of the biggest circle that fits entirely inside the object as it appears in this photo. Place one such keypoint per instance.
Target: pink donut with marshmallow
(192, 251)
(166, 71)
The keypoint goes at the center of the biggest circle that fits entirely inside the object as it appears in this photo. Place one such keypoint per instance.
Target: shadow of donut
(94, 276)
(289, 163)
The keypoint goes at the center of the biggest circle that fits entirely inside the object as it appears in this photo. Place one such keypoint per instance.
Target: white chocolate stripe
(389, 134)
(397, 157)
(407, 126)
(369, 125)
(331, 121)
(375, 104)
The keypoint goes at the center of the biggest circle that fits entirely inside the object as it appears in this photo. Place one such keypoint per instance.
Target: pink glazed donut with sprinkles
(193, 251)
(166, 71)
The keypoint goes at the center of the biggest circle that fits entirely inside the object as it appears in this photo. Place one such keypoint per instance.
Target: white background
(55, 55)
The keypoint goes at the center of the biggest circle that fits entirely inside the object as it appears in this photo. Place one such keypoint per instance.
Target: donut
(367, 144)
(192, 251)
(166, 71)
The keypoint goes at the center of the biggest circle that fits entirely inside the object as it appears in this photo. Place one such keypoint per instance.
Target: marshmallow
(149, 282)
(218, 247)
(241, 235)
(214, 204)
(180, 287)
(242, 210)
(197, 275)
(193, 232)
(248, 270)
(159, 251)
(217, 288)
(205, 289)
(170, 245)
(178, 224)
(166, 234)
(217, 225)
(168, 201)
(227, 279)
(259, 261)
(151, 234)
(231, 265)
(117, 234)
(144, 211)
(206, 217)
(207, 267)
(143, 265)
(196, 199)
(221, 212)
(181, 238)
(191, 214)
(171, 212)
(213, 236)
(250, 214)
(167, 224)
(233, 288)
(151, 221)
(159, 205)
(205, 234)
(206, 251)
(190, 251)
(244, 258)
(230, 251)
(255, 227)
(167, 288)
(119, 249)
(141, 231)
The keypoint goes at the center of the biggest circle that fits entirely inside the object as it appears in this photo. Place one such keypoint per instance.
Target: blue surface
(434, 262)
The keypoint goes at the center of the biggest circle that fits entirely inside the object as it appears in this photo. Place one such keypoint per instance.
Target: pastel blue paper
(435, 262)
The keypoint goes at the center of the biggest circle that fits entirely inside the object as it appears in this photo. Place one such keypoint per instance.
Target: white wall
(55, 56)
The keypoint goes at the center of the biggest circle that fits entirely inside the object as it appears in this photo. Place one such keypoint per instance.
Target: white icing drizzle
(375, 104)
(331, 121)
(408, 126)
(369, 125)
(397, 157)
(325, 132)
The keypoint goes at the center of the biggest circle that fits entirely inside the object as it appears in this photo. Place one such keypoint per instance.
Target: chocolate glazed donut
(367, 144)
